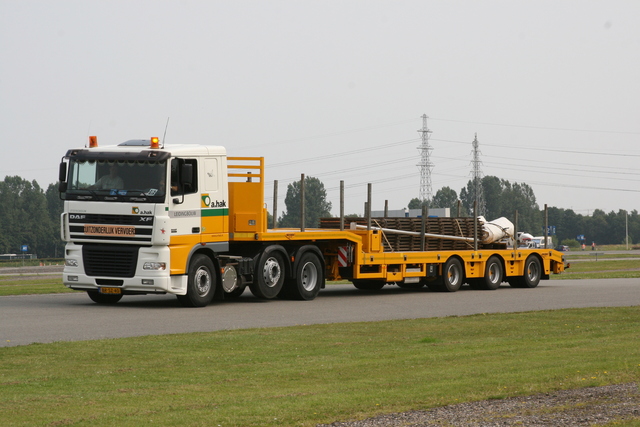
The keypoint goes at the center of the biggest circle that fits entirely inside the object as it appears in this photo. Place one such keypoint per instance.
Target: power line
(337, 133)
(540, 127)
(343, 153)
(595, 153)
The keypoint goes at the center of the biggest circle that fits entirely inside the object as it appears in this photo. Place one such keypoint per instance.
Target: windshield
(131, 180)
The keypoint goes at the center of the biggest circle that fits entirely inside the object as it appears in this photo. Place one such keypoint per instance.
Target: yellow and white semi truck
(143, 218)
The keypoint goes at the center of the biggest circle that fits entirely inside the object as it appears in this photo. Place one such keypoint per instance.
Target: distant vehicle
(562, 248)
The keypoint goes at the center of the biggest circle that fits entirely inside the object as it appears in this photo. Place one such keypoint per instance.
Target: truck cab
(134, 212)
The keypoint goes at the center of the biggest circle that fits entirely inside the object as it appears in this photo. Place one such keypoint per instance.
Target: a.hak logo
(208, 203)
(137, 211)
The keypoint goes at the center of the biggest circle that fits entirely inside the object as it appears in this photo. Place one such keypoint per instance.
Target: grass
(301, 376)
(18, 286)
(571, 256)
(602, 269)
(31, 262)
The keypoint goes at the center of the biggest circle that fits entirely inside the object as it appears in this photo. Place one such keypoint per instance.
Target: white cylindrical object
(496, 229)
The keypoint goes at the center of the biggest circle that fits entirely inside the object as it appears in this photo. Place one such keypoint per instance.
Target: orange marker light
(155, 142)
(93, 141)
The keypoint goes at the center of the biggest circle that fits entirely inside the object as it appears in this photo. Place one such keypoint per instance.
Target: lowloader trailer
(146, 218)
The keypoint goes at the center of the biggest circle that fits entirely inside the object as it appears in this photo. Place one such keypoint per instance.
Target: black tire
(234, 294)
(476, 283)
(201, 283)
(515, 282)
(452, 275)
(532, 272)
(99, 298)
(434, 284)
(269, 275)
(308, 280)
(493, 274)
(368, 285)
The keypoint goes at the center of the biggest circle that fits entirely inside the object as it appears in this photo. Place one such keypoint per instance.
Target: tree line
(502, 199)
(30, 215)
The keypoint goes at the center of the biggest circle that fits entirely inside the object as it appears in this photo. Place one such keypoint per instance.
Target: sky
(337, 90)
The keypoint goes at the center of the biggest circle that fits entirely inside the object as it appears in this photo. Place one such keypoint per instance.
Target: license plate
(110, 290)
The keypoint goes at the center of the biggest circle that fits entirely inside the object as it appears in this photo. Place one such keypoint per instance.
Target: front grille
(116, 227)
(110, 260)
(111, 219)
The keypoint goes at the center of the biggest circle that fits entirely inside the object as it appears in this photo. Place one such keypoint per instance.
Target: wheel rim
(271, 272)
(533, 271)
(202, 281)
(453, 275)
(493, 273)
(309, 276)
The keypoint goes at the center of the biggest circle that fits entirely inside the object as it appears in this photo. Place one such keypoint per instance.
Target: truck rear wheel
(236, 292)
(308, 279)
(104, 298)
(269, 275)
(493, 274)
(201, 283)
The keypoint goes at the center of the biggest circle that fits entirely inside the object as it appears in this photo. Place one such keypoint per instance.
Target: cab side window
(184, 176)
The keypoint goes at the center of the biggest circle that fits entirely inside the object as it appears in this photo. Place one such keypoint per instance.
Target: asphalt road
(74, 317)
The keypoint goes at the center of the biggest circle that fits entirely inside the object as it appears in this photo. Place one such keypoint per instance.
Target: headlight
(154, 266)
(71, 262)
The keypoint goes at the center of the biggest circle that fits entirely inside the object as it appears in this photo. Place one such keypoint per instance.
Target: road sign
(24, 248)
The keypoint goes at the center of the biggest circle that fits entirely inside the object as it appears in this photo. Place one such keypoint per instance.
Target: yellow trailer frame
(369, 261)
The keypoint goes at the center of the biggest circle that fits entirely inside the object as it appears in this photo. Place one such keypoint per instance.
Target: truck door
(184, 212)
(214, 203)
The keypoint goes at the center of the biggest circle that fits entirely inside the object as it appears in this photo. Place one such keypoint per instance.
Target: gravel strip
(580, 407)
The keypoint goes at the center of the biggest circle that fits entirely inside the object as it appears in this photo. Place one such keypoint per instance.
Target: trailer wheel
(434, 284)
(452, 276)
(308, 279)
(269, 276)
(368, 285)
(476, 283)
(532, 272)
(99, 298)
(493, 274)
(201, 283)
(515, 282)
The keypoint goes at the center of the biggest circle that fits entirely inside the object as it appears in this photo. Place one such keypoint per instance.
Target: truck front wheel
(104, 298)
(201, 284)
